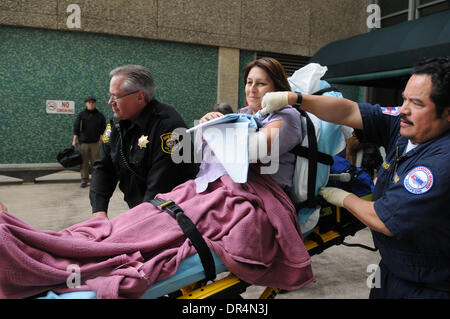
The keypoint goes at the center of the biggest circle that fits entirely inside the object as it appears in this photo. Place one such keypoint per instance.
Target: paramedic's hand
(273, 101)
(3, 208)
(333, 195)
(100, 214)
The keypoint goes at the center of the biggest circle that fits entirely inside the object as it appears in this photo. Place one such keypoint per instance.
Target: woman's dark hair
(275, 71)
(439, 70)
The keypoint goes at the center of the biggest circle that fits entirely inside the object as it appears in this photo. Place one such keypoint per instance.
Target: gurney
(187, 282)
(320, 232)
(322, 226)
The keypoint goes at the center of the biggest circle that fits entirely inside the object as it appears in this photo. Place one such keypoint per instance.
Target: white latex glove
(333, 195)
(273, 101)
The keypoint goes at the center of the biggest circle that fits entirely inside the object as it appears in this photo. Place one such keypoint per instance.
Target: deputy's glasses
(115, 99)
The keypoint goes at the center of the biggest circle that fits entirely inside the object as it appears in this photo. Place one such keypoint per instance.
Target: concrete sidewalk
(56, 202)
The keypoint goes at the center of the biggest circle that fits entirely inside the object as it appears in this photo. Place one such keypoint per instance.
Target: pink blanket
(251, 227)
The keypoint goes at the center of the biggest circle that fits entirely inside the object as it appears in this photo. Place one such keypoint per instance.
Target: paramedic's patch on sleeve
(419, 180)
(391, 110)
(169, 142)
(107, 134)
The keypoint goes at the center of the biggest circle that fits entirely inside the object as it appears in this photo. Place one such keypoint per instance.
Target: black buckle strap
(314, 156)
(191, 232)
(323, 158)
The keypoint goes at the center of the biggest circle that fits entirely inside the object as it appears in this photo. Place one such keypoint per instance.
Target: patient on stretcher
(252, 227)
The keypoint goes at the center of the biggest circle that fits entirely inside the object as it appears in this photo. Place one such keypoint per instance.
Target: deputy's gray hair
(137, 78)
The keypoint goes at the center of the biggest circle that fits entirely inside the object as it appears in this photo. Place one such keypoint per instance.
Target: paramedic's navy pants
(393, 287)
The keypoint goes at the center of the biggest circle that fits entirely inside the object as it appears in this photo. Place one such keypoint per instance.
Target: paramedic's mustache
(403, 117)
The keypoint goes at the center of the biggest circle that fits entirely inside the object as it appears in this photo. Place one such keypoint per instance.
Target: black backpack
(69, 157)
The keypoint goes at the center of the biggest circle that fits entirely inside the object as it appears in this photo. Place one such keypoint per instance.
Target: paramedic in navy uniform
(410, 212)
(137, 143)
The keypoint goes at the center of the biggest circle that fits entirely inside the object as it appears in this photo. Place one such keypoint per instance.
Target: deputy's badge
(419, 180)
(391, 110)
(143, 141)
(107, 134)
(169, 142)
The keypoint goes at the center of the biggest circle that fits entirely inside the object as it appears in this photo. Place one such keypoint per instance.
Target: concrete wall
(196, 50)
(37, 65)
(298, 27)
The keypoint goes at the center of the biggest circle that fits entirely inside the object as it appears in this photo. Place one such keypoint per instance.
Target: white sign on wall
(60, 107)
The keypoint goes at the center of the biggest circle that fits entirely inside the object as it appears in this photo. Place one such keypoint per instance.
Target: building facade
(63, 50)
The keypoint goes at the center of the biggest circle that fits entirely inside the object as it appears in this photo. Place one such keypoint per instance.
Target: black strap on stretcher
(313, 155)
(191, 232)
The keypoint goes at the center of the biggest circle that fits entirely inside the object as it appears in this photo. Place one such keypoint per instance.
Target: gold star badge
(143, 141)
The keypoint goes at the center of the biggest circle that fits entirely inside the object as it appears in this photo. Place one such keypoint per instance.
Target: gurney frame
(331, 230)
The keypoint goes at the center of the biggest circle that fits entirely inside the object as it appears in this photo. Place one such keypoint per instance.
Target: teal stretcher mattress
(190, 271)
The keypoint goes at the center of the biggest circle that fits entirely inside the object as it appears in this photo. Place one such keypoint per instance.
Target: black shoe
(83, 185)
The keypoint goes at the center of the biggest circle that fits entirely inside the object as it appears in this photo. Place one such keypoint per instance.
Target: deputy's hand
(333, 195)
(100, 214)
(3, 208)
(210, 116)
(273, 101)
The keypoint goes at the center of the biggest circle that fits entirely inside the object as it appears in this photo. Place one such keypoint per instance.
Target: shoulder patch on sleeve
(391, 110)
(419, 180)
(169, 142)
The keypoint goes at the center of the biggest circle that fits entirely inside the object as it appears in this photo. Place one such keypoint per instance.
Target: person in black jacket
(137, 143)
(88, 129)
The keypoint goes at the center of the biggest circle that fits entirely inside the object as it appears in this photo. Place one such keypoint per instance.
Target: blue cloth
(361, 185)
(252, 120)
(413, 202)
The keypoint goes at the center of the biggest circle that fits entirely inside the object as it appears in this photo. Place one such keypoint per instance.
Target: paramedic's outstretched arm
(362, 209)
(328, 108)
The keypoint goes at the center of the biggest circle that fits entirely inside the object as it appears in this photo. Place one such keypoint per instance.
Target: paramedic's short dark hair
(274, 69)
(439, 70)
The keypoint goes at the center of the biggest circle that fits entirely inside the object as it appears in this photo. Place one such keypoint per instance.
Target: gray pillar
(228, 76)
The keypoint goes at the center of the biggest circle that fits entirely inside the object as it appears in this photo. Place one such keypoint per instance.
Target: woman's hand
(210, 116)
